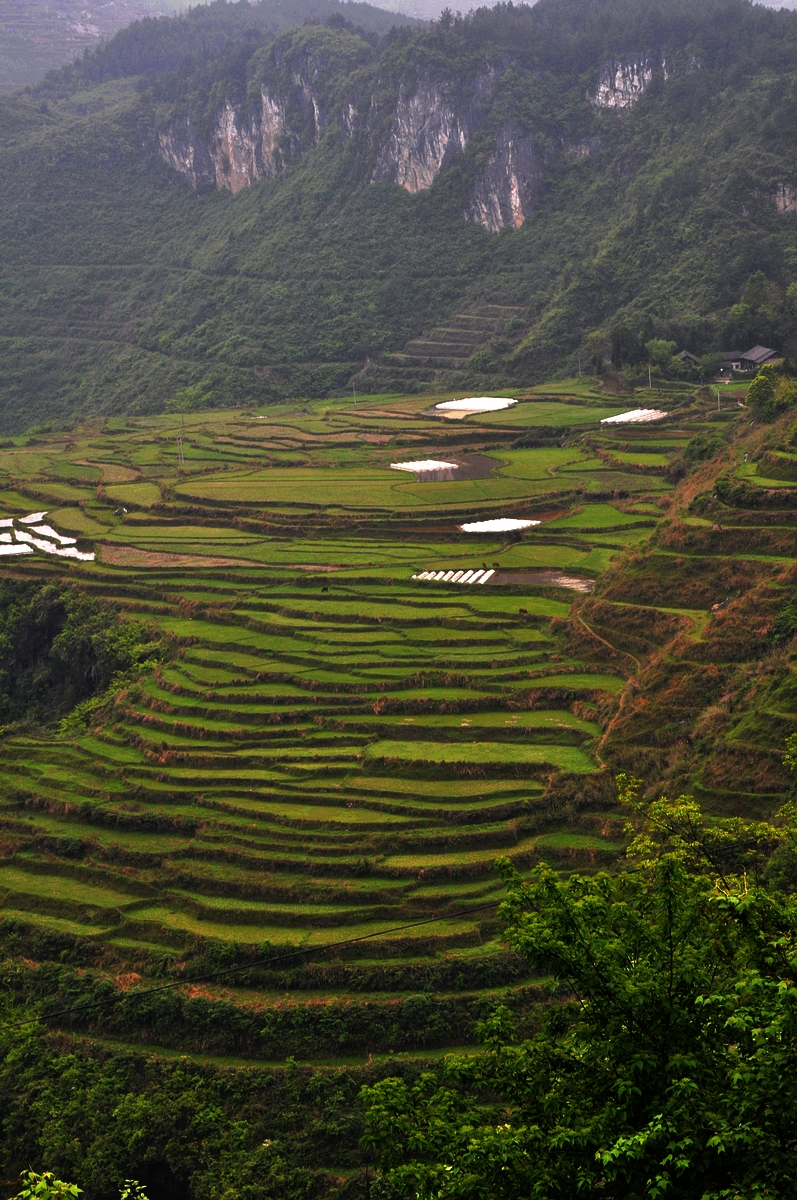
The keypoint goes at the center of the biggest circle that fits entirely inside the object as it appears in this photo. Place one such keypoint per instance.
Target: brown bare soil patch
(130, 556)
(111, 472)
(545, 577)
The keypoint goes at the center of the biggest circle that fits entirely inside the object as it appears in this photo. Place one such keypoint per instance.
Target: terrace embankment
(701, 608)
(314, 788)
(334, 753)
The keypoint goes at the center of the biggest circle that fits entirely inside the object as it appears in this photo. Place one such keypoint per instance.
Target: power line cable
(213, 977)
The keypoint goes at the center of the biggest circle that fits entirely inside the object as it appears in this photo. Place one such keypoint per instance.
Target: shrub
(45, 1187)
(769, 396)
(59, 647)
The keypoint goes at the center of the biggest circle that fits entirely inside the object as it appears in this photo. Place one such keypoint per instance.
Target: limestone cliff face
(427, 130)
(510, 183)
(243, 149)
(623, 81)
(786, 198)
(405, 127)
(426, 133)
(182, 148)
(584, 149)
(408, 140)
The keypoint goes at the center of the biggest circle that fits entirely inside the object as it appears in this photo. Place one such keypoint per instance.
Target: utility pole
(718, 401)
(650, 382)
(354, 393)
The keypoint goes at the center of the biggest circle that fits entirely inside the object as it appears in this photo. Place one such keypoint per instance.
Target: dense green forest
(124, 287)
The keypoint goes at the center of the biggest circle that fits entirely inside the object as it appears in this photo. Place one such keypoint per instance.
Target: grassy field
(335, 750)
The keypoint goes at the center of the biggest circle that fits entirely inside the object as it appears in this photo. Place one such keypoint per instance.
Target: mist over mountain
(37, 36)
(201, 207)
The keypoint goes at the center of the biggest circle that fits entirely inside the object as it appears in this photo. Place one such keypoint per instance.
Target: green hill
(222, 216)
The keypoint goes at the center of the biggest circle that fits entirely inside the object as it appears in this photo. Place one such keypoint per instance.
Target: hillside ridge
(265, 217)
(407, 132)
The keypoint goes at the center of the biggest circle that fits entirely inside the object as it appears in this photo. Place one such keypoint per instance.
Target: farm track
(607, 643)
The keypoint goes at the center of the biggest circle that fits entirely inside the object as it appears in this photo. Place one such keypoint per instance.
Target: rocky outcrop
(182, 148)
(237, 149)
(429, 129)
(623, 81)
(583, 149)
(786, 198)
(244, 149)
(510, 183)
(407, 134)
(424, 133)
(405, 128)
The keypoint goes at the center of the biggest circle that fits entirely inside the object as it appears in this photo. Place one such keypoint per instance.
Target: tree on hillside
(761, 396)
(628, 349)
(60, 647)
(660, 353)
(669, 1069)
(771, 394)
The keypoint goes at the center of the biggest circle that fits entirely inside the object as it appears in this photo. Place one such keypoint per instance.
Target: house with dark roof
(736, 360)
(759, 356)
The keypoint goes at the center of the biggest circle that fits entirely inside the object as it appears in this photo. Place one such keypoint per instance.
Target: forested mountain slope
(247, 217)
(36, 37)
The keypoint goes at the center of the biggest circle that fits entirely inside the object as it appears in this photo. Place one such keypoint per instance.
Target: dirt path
(614, 649)
(597, 750)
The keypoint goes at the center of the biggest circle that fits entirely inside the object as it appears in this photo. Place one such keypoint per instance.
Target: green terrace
(331, 749)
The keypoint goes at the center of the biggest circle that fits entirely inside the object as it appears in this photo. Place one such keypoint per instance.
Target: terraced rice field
(334, 750)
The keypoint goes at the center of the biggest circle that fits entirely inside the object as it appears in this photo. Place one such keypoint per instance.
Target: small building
(730, 360)
(686, 356)
(759, 356)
